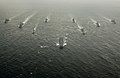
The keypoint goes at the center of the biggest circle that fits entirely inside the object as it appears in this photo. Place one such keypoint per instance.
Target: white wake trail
(29, 17)
(107, 18)
(35, 28)
(93, 20)
(79, 27)
(16, 16)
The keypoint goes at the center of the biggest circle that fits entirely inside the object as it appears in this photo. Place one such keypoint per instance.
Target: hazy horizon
(61, 3)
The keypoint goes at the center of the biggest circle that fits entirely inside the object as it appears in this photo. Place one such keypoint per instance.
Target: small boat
(7, 20)
(21, 24)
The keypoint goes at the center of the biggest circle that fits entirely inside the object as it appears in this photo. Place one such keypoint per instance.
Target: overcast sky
(81, 1)
(115, 3)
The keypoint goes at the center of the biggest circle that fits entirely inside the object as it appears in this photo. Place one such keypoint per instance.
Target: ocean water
(27, 55)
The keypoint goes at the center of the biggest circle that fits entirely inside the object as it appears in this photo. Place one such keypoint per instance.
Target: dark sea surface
(27, 55)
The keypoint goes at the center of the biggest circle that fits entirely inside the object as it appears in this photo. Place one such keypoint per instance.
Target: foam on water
(93, 20)
(44, 46)
(16, 16)
(35, 28)
(107, 18)
(29, 17)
